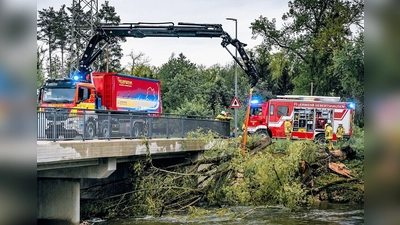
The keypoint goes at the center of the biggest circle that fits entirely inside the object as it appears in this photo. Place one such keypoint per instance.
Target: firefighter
(227, 117)
(340, 132)
(221, 116)
(329, 135)
(288, 129)
(234, 132)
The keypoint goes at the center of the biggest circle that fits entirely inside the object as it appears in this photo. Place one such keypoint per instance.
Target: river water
(324, 213)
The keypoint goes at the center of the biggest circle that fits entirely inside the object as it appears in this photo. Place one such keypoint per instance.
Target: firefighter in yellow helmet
(329, 135)
(221, 116)
(340, 132)
(288, 129)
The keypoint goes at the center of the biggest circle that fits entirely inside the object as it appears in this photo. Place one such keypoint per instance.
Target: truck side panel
(129, 93)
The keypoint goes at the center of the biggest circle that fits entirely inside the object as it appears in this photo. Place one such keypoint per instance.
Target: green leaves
(321, 39)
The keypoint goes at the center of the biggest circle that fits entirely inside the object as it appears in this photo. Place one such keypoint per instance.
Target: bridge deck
(71, 153)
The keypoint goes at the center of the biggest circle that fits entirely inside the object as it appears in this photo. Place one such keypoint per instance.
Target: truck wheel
(320, 139)
(105, 132)
(136, 130)
(264, 133)
(90, 129)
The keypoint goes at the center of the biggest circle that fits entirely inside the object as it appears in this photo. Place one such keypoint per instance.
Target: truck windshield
(256, 111)
(58, 95)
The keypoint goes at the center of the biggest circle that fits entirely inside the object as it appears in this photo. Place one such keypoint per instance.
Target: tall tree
(284, 84)
(311, 31)
(349, 68)
(79, 35)
(281, 73)
(262, 58)
(47, 32)
(108, 15)
(62, 33)
(39, 66)
(139, 65)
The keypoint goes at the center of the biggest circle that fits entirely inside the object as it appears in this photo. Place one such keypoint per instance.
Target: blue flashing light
(256, 99)
(75, 77)
(351, 105)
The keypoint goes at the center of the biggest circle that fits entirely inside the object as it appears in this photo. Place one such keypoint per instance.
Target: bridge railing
(84, 124)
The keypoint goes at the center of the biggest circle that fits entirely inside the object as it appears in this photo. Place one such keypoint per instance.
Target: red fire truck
(308, 115)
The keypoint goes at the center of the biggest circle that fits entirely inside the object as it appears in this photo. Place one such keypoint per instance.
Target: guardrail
(84, 124)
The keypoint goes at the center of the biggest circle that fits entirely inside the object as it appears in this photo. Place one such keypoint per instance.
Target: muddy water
(318, 214)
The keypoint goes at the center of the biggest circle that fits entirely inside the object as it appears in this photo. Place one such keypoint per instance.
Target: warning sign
(235, 103)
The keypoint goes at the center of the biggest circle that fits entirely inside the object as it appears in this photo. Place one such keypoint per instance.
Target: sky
(203, 51)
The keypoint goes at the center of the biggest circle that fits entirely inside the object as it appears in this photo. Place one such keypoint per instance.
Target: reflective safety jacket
(288, 127)
(328, 132)
(340, 132)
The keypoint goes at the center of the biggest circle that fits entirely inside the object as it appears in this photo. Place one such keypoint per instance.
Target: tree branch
(317, 190)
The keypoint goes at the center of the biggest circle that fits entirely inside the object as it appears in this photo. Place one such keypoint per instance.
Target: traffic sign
(235, 103)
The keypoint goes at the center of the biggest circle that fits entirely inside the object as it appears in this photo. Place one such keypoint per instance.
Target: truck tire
(264, 133)
(105, 132)
(90, 129)
(320, 139)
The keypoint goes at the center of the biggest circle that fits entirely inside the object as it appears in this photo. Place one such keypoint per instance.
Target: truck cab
(67, 93)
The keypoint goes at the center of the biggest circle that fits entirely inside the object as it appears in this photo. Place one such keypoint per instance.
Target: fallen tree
(265, 175)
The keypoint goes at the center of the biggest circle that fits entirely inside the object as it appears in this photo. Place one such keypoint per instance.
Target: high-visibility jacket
(328, 132)
(220, 117)
(288, 127)
(340, 132)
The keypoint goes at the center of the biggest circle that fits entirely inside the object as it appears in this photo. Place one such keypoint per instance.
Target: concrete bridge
(61, 166)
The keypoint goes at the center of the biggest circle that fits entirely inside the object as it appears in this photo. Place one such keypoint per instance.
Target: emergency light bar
(78, 77)
(309, 98)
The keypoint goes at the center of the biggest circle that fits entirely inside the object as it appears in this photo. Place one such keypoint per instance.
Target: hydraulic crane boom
(142, 30)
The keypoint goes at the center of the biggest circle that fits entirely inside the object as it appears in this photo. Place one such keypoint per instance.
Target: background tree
(140, 66)
(47, 33)
(62, 34)
(312, 30)
(266, 85)
(349, 66)
(179, 81)
(108, 15)
(39, 66)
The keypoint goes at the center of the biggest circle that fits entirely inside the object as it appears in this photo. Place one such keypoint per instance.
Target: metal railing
(84, 124)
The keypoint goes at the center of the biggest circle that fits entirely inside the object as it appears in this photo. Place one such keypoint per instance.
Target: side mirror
(39, 97)
(83, 94)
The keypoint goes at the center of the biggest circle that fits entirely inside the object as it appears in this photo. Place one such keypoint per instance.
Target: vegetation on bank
(284, 175)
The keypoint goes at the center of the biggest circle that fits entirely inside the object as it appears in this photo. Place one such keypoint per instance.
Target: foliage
(349, 65)
(317, 37)
(63, 34)
(47, 33)
(39, 66)
(108, 15)
(193, 108)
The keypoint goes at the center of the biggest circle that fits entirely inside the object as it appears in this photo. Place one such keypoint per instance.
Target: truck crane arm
(168, 29)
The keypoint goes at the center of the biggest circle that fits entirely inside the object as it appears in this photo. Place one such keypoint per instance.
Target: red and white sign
(235, 103)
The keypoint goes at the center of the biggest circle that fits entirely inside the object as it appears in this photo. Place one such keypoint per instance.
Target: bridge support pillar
(58, 201)
(198, 155)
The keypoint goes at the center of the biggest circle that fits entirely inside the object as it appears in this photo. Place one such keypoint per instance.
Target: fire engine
(307, 114)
